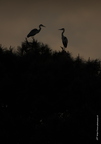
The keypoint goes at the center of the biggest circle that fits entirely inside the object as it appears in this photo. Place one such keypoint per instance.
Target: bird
(33, 32)
(64, 39)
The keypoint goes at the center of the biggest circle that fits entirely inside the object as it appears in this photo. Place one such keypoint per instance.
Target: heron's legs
(33, 38)
(63, 49)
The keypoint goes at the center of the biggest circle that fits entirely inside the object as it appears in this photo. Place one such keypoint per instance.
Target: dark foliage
(47, 96)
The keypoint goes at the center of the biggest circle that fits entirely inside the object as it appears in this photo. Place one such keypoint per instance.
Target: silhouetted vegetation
(48, 96)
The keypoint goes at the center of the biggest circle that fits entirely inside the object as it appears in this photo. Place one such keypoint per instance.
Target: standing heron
(64, 39)
(35, 31)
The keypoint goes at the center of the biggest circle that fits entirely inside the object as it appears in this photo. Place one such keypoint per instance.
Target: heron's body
(35, 31)
(64, 39)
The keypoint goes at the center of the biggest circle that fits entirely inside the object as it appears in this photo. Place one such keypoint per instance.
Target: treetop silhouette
(47, 96)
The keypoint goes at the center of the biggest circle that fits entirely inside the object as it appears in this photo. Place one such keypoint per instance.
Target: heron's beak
(59, 29)
(44, 26)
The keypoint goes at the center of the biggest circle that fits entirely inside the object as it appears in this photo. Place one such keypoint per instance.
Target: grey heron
(34, 31)
(64, 39)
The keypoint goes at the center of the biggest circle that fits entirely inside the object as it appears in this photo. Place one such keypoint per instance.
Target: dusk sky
(80, 18)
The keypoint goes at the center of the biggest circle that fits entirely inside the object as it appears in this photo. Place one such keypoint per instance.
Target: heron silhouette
(64, 39)
(33, 32)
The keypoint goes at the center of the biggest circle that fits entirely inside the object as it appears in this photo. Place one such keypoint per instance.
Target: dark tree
(48, 96)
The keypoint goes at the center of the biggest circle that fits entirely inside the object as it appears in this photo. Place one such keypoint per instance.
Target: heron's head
(62, 29)
(41, 25)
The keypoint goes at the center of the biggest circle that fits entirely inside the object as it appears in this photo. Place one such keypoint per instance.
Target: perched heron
(35, 31)
(64, 39)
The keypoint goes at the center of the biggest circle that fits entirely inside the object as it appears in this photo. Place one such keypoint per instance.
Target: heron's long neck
(39, 28)
(63, 33)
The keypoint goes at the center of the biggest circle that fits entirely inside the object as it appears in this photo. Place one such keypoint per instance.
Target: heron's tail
(28, 36)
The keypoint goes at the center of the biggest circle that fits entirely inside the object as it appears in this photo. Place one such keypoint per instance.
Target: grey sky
(81, 20)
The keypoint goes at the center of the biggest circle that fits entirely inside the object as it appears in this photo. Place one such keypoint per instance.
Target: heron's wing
(65, 42)
(32, 32)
